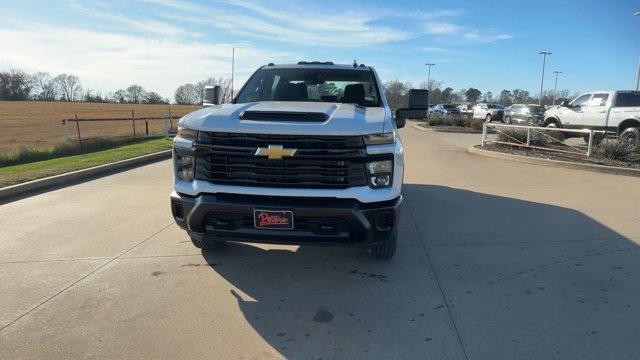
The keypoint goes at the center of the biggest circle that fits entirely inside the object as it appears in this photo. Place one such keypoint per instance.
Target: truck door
(595, 111)
(572, 116)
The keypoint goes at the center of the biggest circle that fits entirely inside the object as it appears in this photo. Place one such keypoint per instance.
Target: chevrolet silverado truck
(617, 112)
(305, 154)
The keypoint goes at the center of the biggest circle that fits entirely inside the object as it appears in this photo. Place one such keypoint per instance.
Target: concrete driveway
(497, 260)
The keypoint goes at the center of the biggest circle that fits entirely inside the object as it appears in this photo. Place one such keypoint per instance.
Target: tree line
(17, 85)
(397, 93)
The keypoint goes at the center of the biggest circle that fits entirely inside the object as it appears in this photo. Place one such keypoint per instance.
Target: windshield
(309, 84)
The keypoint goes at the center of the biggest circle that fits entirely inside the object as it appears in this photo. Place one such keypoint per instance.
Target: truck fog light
(380, 173)
(184, 167)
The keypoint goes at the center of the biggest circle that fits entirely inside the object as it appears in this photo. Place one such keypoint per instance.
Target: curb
(472, 149)
(450, 131)
(32, 187)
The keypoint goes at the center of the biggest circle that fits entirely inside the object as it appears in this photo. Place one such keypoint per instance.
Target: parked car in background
(529, 114)
(466, 109)
(488, 111)
(617, 112)
(436, 110)
(452, 109)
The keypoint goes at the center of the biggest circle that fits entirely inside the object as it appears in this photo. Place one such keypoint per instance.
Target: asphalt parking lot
(497, 260)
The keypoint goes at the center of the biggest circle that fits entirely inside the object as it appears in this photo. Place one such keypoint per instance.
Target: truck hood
(342, 119)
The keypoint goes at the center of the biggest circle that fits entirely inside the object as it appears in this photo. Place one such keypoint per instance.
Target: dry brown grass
(35, 124)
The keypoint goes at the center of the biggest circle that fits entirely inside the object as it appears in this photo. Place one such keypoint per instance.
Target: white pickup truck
(617, 112)
(306, 153)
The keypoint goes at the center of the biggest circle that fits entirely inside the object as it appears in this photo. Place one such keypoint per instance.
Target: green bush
(449, 120)
(435, 121)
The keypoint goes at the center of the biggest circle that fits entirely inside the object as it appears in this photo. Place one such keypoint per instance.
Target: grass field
(10, 175)
(35, 124)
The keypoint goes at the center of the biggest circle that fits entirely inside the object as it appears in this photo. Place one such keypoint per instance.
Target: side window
(598, 100)
(581, 100)
(628, 99)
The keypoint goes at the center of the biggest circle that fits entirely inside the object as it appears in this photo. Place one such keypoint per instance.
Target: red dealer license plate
(273, 219)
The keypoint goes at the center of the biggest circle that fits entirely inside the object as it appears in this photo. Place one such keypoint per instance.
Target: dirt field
(35, 124)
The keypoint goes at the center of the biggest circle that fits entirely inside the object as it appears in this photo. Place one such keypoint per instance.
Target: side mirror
(212, 95)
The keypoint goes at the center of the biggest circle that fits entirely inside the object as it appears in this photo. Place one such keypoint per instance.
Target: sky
(490, 45)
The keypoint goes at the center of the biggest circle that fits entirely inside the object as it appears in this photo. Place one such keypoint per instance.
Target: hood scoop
(283, 116)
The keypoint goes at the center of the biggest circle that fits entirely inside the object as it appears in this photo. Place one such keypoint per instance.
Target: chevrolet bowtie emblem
(275, 152)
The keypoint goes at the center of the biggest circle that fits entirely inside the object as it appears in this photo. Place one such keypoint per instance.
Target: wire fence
(546, 134)
(165, 125)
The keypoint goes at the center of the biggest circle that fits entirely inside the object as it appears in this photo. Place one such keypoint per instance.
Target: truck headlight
(379, 139)
(184, 165)
(187, 134)
(380, 173)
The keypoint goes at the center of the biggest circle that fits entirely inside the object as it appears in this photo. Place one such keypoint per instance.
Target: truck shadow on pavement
(515, 279)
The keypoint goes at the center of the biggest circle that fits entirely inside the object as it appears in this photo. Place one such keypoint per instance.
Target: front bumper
(317, 221)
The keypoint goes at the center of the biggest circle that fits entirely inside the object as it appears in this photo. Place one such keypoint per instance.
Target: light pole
(233, 65)
(544, 60)
(638, 80)
(429, 65)
(555, 87)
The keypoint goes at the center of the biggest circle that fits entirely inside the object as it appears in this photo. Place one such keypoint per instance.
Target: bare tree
(396, 93)
(68, 85)
(14, 85)
(119, 96)
(152, 97)
(43, 86)
(135, 94)
(225, 84)
(187, 94)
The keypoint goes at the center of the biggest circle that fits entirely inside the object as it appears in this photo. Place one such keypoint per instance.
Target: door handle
(580, 112)
(602, 112)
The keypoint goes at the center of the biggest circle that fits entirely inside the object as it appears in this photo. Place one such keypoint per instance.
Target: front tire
(555, 134)
(487, 118)
(387, 249)
(631, 135)
(507, 120)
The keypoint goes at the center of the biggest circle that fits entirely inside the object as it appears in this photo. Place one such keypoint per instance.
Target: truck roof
(318, 65)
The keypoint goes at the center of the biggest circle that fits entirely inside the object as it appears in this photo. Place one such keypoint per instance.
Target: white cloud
(305, 26)
(486, 37)
(107, 61)
(442, 28)
(449, 31)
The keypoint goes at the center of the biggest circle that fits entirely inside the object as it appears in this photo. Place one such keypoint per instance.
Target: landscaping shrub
(447, 120)
(519, 136)
(435, 121)
(617, 150)
(459, 121)
(475, 123)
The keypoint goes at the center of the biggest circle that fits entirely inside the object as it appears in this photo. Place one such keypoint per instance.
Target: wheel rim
(487, 118)
(631, 136)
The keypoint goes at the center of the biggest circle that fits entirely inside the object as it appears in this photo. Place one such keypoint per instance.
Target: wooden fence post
(133, 122)
(146, 127)
(165, 119)
(78, 128)
(65, 129)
